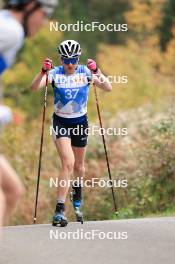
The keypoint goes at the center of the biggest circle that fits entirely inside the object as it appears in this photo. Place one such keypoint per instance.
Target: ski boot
(59, 217)
(76, 198)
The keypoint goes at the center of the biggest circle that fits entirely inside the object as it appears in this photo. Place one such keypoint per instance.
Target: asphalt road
(140, 241)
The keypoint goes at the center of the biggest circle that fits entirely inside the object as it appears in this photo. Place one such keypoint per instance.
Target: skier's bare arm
(40, 79)
(102, 81)
(38, 82)
(98, 77)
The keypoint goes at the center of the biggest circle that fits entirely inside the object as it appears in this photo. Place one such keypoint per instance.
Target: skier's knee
(68, 165)
(79, 169)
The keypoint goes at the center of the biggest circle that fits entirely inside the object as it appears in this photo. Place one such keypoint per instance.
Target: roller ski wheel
(59, 217)
(79, 215)
(60, 220)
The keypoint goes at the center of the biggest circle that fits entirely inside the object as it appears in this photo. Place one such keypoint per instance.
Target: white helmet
(69, 49)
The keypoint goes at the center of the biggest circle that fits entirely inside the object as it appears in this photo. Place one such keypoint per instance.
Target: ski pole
(41, 148)
(105, 148)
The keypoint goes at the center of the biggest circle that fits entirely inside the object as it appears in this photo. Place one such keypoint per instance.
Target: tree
(167, 24)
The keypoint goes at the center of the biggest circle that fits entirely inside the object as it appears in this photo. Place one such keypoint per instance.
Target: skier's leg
(66, 154)
(63, 145)
(79, 171)
(11, 186)
(79, 168)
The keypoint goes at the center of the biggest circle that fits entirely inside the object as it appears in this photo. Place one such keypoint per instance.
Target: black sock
(77, 193)
(60, 208)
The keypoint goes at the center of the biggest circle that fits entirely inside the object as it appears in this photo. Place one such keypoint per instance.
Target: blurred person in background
(18, 19)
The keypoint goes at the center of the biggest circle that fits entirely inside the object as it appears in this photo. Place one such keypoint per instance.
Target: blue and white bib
(70, 91)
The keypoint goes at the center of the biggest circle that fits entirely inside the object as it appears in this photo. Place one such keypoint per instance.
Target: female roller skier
(70, 83)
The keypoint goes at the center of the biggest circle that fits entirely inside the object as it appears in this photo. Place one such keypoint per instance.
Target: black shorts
(78, 133)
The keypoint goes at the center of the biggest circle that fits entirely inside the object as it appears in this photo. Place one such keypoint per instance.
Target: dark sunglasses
(70, 61)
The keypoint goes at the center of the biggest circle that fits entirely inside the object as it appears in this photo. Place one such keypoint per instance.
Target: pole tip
(34, 220)
(116, 213)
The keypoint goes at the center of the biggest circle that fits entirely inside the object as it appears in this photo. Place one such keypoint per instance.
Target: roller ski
(59, 217)
(76, 199)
